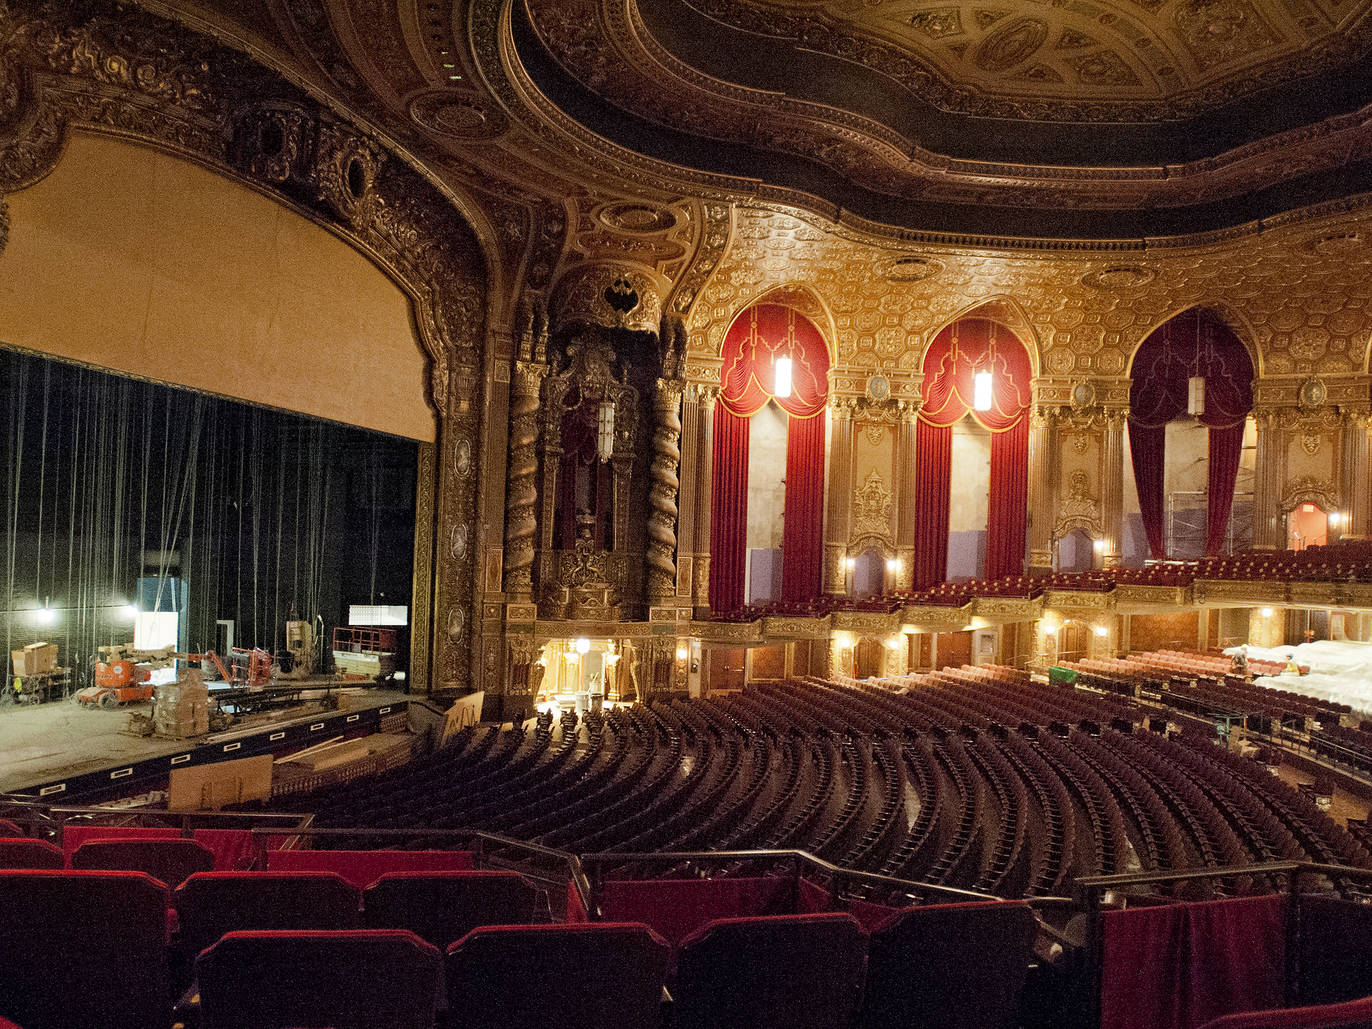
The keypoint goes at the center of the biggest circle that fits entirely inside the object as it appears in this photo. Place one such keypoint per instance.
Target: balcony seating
(781, 972)
(169, 861)
(210, 904)
(360, 979)
(608, 975)
(948, 966)
(22, 852)
(84, 950)
(442, 907)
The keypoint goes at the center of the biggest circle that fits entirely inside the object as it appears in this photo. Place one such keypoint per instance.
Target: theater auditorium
(637, 514)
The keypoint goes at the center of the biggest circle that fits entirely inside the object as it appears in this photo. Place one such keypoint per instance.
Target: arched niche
(756, 346)
(979, 374)
(1195, 346)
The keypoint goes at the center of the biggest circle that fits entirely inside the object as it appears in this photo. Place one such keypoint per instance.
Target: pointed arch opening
(774, 359)
(979, 370)
(1190, 398)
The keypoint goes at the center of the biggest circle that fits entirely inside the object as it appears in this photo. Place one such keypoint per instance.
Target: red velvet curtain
(728, 511)
(933, 467)
(1226, 446)
(1193, 343)
(1146, 452)
(802, 539)
(758, 337)
(1008, 508)
(951, 363)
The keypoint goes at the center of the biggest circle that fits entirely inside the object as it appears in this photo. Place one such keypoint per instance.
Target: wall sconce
(583, 645)
(893, 564)
(982, 391)
(782, 385)
(1102, 630)
(1267, 612)
(893, 643)
(682, 653)
(1334, 519)
(1098, 546)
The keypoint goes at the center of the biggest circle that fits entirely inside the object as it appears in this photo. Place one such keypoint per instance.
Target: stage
(42, 743)
(1340, 671)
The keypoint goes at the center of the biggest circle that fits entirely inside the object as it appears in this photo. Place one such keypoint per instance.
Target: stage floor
(1340, 671)
(43, 742)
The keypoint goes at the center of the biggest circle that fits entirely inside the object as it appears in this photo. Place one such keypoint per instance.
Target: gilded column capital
(704, 394)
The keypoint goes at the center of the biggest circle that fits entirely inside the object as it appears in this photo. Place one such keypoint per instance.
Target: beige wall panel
(970, 486)
(143, 263)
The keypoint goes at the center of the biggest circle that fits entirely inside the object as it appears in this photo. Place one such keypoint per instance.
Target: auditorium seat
(442, 907)
(608, 975)
(364, 867)
(1353, 1014)
(359, 979)
(948, 966)
(21, 852)
(210, 904)
(778, 972)
(169, 861)
(84, 950)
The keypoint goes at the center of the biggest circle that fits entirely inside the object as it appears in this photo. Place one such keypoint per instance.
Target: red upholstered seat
(948, 966)
(75, 835)
(1353, 1014)
(22, 852)
(359, 979)
(780, 972)
(168, 861)
(608, 975)
(210, 904)
(442, 907)
(84, 950)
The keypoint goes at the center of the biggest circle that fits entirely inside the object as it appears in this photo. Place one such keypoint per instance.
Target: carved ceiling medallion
(461, 116)
(1119, 276)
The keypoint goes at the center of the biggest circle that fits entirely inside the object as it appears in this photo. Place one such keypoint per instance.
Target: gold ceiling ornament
(462, 116)
(612, 296)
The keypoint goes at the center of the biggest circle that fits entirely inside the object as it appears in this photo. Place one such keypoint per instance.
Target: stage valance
(758, 337)
(951, 364)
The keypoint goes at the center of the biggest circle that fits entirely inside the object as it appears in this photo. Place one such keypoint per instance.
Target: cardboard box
(35, 659)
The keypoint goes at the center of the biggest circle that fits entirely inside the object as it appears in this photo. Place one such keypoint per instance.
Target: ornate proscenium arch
(757, 339)
(961, 351)
(102, 67)
(1195, 343)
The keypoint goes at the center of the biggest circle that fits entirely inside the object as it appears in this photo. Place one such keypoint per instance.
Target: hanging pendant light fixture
(605, 429)
(1195, 385)
(983, 383)
(782, 383)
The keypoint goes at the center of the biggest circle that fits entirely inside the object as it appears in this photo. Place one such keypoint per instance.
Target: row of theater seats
(1197, 684)
(976, 779)
(92, 950)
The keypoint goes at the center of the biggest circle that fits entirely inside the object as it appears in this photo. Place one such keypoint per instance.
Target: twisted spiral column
(521, 523)
(662, 491)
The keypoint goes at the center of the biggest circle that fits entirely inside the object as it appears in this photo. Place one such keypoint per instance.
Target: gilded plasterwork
(1303, 312)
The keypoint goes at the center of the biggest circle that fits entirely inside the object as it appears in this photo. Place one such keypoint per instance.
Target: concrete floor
(43, 742)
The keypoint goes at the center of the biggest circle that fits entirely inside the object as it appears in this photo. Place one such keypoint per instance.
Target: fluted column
(904, 499)
(1353, 469)
(1268, 480)
(662, 491)
(1043, 445)
(1112, 488)
(704, 494)
(838, 484)
(521, 521)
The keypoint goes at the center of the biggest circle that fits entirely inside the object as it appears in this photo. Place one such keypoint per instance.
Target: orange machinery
(122, 674)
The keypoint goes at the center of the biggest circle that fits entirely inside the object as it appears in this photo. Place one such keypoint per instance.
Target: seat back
(210, 904)
(952, 966)
(792, 971)
(1352, 1014)
(169, 861)
(442, 907)
(21, 852)
(358, 979)
(608, 975)
(364, 867)
(84, 950)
